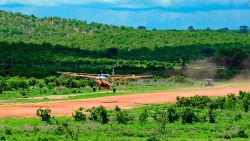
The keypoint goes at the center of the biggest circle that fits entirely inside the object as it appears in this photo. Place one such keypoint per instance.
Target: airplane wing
(118, 77)
(85, 75)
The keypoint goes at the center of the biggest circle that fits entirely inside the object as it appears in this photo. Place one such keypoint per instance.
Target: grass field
(228, 125)
(83, 93)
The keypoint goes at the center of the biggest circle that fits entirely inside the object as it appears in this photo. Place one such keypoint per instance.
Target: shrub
(219, 103)
(32, 81)
(78, 115)
(49, 79)
(196, 101)
(242, 134)
(161, 118)
(211, 116)
(143, 117)
(238, 117)
(24, 93)
(99, 114)
(122, 117)
(230, 101)
(172, 114)
(117, 108)
(188, 116)
(45, 114)
(179, 79)
(153, 139)
(246, 103)
(8, 131)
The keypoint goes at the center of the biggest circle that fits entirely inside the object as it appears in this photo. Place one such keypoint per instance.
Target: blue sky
(160, 14)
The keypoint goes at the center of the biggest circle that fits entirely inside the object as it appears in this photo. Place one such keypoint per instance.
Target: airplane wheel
(94, 89)
(114, 90)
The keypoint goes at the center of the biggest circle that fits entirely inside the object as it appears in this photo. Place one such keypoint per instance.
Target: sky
(159, 14)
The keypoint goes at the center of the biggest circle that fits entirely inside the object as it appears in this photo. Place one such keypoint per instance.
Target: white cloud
(132, 3)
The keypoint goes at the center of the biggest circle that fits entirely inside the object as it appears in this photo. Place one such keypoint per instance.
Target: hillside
(30, 46)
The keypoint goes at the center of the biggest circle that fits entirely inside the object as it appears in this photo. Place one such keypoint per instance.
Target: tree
(191, 28)
(244, 29)
(7, 65)
(232, 58)
(112, 51)
(142, 27)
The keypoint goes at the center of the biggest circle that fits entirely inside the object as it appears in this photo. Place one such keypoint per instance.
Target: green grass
(83, 93)
(33, 128)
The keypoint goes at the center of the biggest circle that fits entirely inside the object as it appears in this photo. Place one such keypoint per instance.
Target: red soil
(65, 108)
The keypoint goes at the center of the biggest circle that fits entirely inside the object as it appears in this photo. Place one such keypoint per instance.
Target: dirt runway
(65, 108)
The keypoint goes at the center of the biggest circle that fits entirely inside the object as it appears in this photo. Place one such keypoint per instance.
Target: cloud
(135, 3)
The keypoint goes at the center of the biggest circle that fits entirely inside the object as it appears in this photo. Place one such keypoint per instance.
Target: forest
(38, 47)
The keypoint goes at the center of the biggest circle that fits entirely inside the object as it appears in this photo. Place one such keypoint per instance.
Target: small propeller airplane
(105, 81)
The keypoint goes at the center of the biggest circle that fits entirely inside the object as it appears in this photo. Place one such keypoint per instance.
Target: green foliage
(211, 115)
(44, 114)
(188, 116)
(179, 79)
(24, 93)
(79, 115)
(196, 101)
(161, 118)
(106, 46)
(173, 115)
(99, 114)
(143, 117)
(122, 117)
(153, 139)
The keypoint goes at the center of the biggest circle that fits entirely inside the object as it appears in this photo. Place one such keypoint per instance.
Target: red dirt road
(65, 108)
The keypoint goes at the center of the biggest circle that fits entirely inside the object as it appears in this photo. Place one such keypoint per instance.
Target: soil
(65, 108)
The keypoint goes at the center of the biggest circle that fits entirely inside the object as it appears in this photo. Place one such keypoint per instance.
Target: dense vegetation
(196, 118)
(34, 47)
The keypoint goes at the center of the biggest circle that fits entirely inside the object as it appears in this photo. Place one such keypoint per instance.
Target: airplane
(105, 81)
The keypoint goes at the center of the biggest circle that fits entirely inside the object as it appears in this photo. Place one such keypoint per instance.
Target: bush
(78, 115)
(242, 134)
(32, 81)
(179, 79)
(143, 117)
(99, 114)
(172, 114)
(153, 139)
(196, 101)
(245, 104)
(8, 131)
(219, 103)
(161, 118)
(188, 116)
(117, 108)
(24, 93)
(231, 101)
(122, 117)
(50, 79)
(211, 116)
(45, 114)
